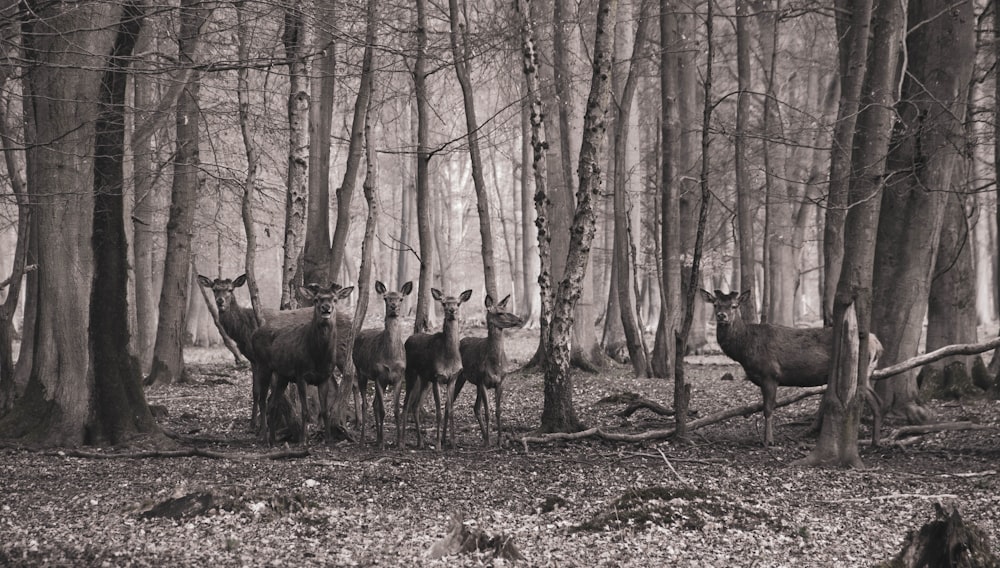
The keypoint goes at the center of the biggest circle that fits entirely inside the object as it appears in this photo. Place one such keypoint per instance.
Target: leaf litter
(719, 500)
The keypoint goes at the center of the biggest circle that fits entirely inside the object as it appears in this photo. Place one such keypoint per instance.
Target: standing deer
(378, 355)
(775, 355)
(289, 349)
(433, 359)
(238, 322)
(484, 361)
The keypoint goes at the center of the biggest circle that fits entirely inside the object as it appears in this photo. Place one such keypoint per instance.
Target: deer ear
(379, 287)
(407, 288)
(308, 292)
(743, 297)
(437, 294)
(708, 296)
(503, 302)
(488, 301)
(344, 292)
(205, 281)
(240, 280)
(464, 296)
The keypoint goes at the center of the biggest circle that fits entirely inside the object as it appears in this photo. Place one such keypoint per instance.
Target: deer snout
(221, 304)
(722, 317)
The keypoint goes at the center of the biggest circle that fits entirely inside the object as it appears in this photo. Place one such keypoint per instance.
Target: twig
(671, 466)
(26, 270)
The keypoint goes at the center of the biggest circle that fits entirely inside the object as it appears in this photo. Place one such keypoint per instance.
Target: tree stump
(946, 542)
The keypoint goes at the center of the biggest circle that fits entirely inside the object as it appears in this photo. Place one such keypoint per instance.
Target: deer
(290, 349)
(379, 356)
(775, 355)
(238, 322)
(483, 364)
(433, 359)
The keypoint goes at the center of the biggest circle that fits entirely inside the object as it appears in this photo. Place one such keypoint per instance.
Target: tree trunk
(148, 202)
(168, 353)
(355, 150)
(316, 252)
(841, 414)
(780, 267)
(925, 153)
(638, 353)
(462, 54)
(62, 87)
(852, 49)
(558, 414)
(531, 301)
(296, 41)
(422, 321)
(951, 309)
(9, 390)
(744, 193)
(119, 410)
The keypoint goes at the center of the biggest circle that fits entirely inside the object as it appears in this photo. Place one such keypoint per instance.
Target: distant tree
(744, 193)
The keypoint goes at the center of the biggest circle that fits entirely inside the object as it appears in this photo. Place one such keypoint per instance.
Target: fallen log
(946, 351)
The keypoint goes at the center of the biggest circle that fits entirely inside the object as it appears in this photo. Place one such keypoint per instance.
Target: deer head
(727, 306)
(324, 300)
(498, 316)
(393, 300)
(222, 289)
(450, 304)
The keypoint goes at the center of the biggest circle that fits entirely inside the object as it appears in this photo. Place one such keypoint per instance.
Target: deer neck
(494, 338)
(730, 336)
(392, 334)
(449, 334)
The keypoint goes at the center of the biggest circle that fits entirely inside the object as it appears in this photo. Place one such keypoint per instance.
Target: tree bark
(929, 133)
(316, 252)
(951, 309)
(119, 411)
(168, 353)
(558, 414)
(531, 300)
(296, 42)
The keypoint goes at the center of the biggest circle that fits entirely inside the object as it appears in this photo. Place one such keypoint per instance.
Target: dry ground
(723, 500)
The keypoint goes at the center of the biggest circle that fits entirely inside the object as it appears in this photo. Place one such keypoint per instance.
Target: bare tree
(425, 235)
(744, 193)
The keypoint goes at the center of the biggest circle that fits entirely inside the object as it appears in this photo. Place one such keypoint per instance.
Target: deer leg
(379, 415)
(437, 413)
(358, 415)
(277, 391)
(324, 409)
(304, 404)
(362, 418)
(261, 382)
(497, 397)
(484, 427)
(769, 388)
(449, 416)
(417, 402)
(397, 388)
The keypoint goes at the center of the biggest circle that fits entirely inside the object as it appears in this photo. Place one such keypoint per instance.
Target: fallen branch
(946, 351)
(921, 429)
(664, 433)
(641, 403)
(186, 453)
(941, 497)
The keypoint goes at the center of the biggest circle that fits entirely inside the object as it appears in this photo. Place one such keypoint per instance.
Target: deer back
(792, 356)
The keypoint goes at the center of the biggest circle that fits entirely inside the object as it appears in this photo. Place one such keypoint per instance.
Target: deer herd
(308, 345)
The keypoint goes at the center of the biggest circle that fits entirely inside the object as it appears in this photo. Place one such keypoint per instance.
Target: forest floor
(720, 500)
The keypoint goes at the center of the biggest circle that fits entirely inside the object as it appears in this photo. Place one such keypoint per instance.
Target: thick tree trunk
(929, 135)
(168, 353)
(951, 309)
(67, 45)
(558, 414)
(119, 409)
(531, 304)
